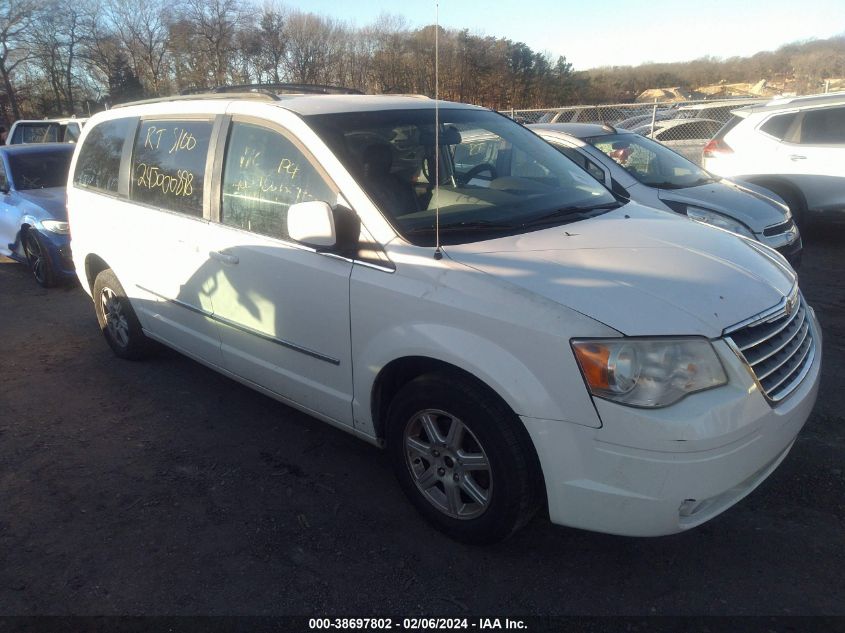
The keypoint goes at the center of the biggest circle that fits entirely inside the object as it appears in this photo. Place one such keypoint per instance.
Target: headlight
(648, 372)
(56, 226)
(717, 219)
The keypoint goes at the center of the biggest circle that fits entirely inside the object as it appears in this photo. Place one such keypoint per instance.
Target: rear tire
(117, 319)
(462, 458)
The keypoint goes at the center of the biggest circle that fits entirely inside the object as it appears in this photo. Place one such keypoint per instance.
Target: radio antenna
(438, 254)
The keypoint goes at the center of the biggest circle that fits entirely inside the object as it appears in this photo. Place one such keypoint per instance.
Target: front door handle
(224, 257)
(796, 157)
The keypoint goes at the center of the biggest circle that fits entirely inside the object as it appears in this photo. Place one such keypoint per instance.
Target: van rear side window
(98, 165)
(168, 164)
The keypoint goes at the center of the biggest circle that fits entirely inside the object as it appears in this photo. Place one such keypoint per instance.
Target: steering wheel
(478, 169)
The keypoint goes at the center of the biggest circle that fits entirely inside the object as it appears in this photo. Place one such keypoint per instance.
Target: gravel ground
(163, 488)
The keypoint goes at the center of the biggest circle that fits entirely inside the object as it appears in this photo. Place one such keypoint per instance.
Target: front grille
(779, 347)
(778, 228)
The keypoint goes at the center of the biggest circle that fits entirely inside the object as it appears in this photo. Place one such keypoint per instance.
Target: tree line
(60, 58)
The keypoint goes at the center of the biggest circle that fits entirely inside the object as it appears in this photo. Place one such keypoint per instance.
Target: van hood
(750, 207)
(45, 203)
(640, 271)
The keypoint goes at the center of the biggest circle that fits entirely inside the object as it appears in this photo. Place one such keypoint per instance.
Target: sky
(614, 32)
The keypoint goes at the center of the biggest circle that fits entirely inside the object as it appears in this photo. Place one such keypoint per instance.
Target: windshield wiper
(665, 185)
(571, 213)
(679, 185)
(454, 227)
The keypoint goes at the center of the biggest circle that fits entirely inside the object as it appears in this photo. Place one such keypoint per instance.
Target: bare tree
(390, 36)
(310, 45)
(56, 36)
(143, 27)
(213, 25)
(272, 40)
(15, 20)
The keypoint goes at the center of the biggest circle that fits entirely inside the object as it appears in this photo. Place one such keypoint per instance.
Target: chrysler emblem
(790, 304)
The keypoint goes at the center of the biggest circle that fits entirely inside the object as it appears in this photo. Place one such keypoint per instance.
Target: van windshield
(495, 176)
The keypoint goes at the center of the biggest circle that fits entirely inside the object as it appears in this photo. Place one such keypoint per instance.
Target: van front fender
(551, 388)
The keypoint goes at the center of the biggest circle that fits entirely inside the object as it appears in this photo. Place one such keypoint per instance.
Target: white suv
(794, 147)
(45, 131)
(638, 372)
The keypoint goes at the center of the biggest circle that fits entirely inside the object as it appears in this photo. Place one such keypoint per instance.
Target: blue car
(33, 215)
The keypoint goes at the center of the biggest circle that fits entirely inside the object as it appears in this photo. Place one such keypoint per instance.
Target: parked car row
(643, 115)
(684, 128)
(514, 326)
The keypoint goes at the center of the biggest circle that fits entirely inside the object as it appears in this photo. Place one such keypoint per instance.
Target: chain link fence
(684, 126)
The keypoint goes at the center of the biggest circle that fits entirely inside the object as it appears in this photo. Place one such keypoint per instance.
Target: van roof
(307, 104)
(63, 120)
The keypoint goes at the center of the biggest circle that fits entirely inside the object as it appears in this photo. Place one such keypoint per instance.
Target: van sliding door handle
(796, 157)
(224, 257)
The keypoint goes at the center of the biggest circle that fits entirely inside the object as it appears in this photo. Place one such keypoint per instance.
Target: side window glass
(4, 182)
(778, 125)
(168, 164)
(71, 133)
(825, 126)
(595, 171)
(582, 161)
(572, 155)
(677, 133)
(264, 173)
(98, 165)
(36, 133)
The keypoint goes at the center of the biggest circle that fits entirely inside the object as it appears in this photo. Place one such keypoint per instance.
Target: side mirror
(312, 223)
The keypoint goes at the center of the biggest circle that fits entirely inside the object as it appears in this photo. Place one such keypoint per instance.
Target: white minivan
(514, 334)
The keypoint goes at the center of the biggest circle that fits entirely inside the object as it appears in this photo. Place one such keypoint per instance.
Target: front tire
(38, 260)
(462, 458)
(117, 318)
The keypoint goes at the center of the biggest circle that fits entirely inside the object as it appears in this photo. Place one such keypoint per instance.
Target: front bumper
(61, 257)
(787, 243)
(661, 471)
(792, 252)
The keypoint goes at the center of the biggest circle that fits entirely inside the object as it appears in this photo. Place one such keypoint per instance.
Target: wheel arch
(26, 227)
(782, 185)
(400, 371)
(94, 265)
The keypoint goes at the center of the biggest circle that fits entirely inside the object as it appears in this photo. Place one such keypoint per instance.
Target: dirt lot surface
(163, 488)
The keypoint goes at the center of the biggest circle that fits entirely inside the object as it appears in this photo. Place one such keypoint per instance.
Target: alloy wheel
(35, 258)
(114, 316)
(448, 464)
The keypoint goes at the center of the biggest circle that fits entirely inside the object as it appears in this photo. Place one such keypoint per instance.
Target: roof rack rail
(286, 88)
(267, 96)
